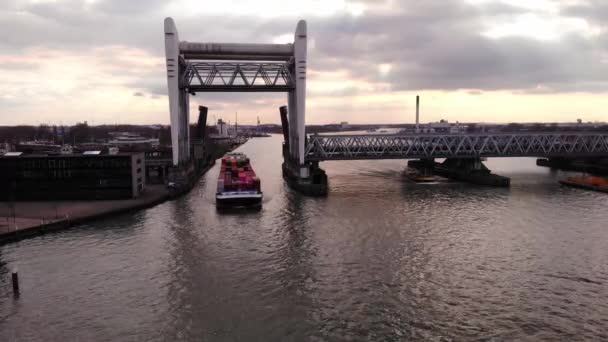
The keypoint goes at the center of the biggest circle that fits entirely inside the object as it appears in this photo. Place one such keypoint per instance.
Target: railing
(237, 76)
(341, 147)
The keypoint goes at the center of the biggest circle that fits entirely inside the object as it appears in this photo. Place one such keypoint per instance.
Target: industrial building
(87, 176)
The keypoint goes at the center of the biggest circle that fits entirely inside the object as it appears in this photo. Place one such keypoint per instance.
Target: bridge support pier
(471, 170)
(313, 185)
(305, 177)
(182, 177)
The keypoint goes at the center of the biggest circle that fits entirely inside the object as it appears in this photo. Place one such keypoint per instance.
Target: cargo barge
(237, 184)
(587, 182)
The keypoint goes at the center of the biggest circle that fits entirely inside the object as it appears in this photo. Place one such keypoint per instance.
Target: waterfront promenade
(22, 219)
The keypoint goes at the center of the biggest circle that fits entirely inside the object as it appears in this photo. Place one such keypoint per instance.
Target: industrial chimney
(417, 113)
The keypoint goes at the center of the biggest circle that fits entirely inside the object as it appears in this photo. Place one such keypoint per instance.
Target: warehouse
(88, 176)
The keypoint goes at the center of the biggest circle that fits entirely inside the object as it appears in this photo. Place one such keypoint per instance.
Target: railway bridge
(466, 145)
(463, 153)
(194, 67)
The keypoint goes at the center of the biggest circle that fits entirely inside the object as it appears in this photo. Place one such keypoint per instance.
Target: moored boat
(418, 176)
(237, 184)
(587, 182)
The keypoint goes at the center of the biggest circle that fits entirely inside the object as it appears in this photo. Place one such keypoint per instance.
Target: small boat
(418, 176)
(587, 182)
(237, 184)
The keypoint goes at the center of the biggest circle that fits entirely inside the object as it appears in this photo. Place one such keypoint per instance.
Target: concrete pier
(314, 185)
(315, 181)
(470, 170)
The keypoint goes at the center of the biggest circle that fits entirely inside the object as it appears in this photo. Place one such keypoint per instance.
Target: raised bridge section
(236, 67)
(238, 76)
(418, 146)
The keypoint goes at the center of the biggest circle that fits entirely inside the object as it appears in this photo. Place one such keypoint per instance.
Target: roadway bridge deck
(467, 145)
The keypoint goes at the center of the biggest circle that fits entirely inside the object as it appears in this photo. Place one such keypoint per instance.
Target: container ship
(237, 184)
(587, 182)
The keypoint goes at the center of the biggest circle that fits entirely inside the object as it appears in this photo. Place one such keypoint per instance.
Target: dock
(22, 219)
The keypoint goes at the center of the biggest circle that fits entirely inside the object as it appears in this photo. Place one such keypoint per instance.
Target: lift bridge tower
(230, 67)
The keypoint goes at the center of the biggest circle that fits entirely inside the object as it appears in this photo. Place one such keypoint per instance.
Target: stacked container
(236, 174)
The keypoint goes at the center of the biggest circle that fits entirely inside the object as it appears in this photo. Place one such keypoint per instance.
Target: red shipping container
(256, 183)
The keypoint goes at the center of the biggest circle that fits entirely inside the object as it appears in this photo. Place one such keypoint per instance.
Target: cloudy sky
(63, 61)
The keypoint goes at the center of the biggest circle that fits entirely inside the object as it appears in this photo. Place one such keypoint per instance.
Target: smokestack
(417, 112)
(202, 122)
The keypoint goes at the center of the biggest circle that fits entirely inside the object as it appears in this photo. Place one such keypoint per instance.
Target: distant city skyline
(102, 61)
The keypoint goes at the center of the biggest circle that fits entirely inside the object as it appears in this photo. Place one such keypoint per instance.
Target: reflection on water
(379, 259)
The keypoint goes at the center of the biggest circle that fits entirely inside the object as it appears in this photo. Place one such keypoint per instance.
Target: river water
(378, 259)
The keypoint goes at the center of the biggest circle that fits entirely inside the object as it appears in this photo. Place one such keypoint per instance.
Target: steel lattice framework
(237, 76)
(341, 147)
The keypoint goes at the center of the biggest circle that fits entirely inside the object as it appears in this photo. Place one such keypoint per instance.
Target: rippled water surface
(378, 259)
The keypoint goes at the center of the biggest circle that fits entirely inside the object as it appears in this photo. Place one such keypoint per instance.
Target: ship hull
(577, 183)
(238, 200)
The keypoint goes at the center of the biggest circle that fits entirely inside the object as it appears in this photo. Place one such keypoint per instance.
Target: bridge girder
(237, 76)
(353, 147)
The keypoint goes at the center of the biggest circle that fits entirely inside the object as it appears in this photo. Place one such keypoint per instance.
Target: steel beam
(235, 50)
(351, 147)
(237, 76)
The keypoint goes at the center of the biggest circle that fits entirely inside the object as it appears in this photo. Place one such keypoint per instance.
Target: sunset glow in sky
(63, 61)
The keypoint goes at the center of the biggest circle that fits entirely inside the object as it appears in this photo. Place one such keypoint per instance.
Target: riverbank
(20, 220)
(23, 219)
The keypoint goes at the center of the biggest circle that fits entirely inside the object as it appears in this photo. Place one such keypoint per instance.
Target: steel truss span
(237, 76)
(345, 147)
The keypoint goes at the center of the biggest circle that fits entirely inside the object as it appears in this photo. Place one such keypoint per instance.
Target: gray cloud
(431, 44)
(130, 7)
(153, 85)
(438, 45)
(348, 91)
(18, 65)
(71, 24)
(594, 11)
